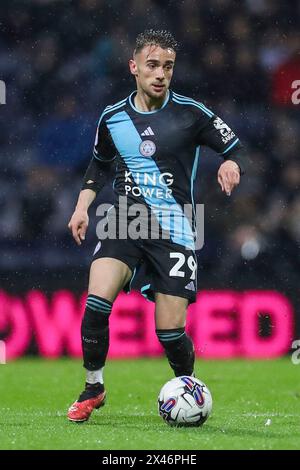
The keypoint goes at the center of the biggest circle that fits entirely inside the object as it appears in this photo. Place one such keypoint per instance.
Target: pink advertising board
(223, 324)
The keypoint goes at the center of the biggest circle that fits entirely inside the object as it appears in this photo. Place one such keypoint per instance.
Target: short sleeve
(104, 148)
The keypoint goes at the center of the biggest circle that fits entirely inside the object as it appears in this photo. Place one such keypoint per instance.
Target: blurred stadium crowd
(63, 61)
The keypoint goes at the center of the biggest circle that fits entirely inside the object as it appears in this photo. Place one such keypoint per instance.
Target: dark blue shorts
(156, 266)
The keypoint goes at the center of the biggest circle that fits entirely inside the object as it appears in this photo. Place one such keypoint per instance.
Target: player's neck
(145, 103)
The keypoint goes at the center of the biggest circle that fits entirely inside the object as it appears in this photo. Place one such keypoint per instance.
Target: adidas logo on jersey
(190, 286)
(147, 131)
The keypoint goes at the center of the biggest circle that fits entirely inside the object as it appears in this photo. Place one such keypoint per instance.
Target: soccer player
(151, 139)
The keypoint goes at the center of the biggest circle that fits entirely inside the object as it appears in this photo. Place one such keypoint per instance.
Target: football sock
(95, 334)
(179, 350)
(95, 376)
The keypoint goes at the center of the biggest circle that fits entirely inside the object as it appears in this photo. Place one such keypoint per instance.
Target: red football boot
(92, 397)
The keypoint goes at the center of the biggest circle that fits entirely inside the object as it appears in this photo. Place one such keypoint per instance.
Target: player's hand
(229, 176)
(78, 225)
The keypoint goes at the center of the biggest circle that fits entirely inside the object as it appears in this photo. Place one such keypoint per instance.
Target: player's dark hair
(162, 38)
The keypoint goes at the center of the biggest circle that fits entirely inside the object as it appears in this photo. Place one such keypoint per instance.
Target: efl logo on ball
(147, 148)
(184, 401)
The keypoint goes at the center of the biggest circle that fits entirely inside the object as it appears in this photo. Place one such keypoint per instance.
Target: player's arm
(217, 135)
(97, 174)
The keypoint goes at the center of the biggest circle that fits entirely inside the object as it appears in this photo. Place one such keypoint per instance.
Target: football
(184, 401)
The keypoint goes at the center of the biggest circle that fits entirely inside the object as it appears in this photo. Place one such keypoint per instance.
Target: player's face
(153, 70)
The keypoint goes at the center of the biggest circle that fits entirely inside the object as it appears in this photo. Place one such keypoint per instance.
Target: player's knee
(107, 278)
(170, 312)
(168, 323)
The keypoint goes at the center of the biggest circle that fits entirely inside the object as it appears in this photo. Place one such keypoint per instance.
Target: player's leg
(170, 319)
(107, 278)
(172, 272)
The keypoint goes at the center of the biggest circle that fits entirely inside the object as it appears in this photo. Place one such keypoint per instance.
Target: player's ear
(133, 66)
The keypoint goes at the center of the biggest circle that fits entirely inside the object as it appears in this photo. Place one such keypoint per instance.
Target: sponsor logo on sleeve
(226, 133)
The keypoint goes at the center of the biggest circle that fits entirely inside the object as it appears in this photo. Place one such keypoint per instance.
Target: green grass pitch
(256, 406)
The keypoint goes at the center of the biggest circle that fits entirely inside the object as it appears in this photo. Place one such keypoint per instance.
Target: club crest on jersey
(147, 148)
